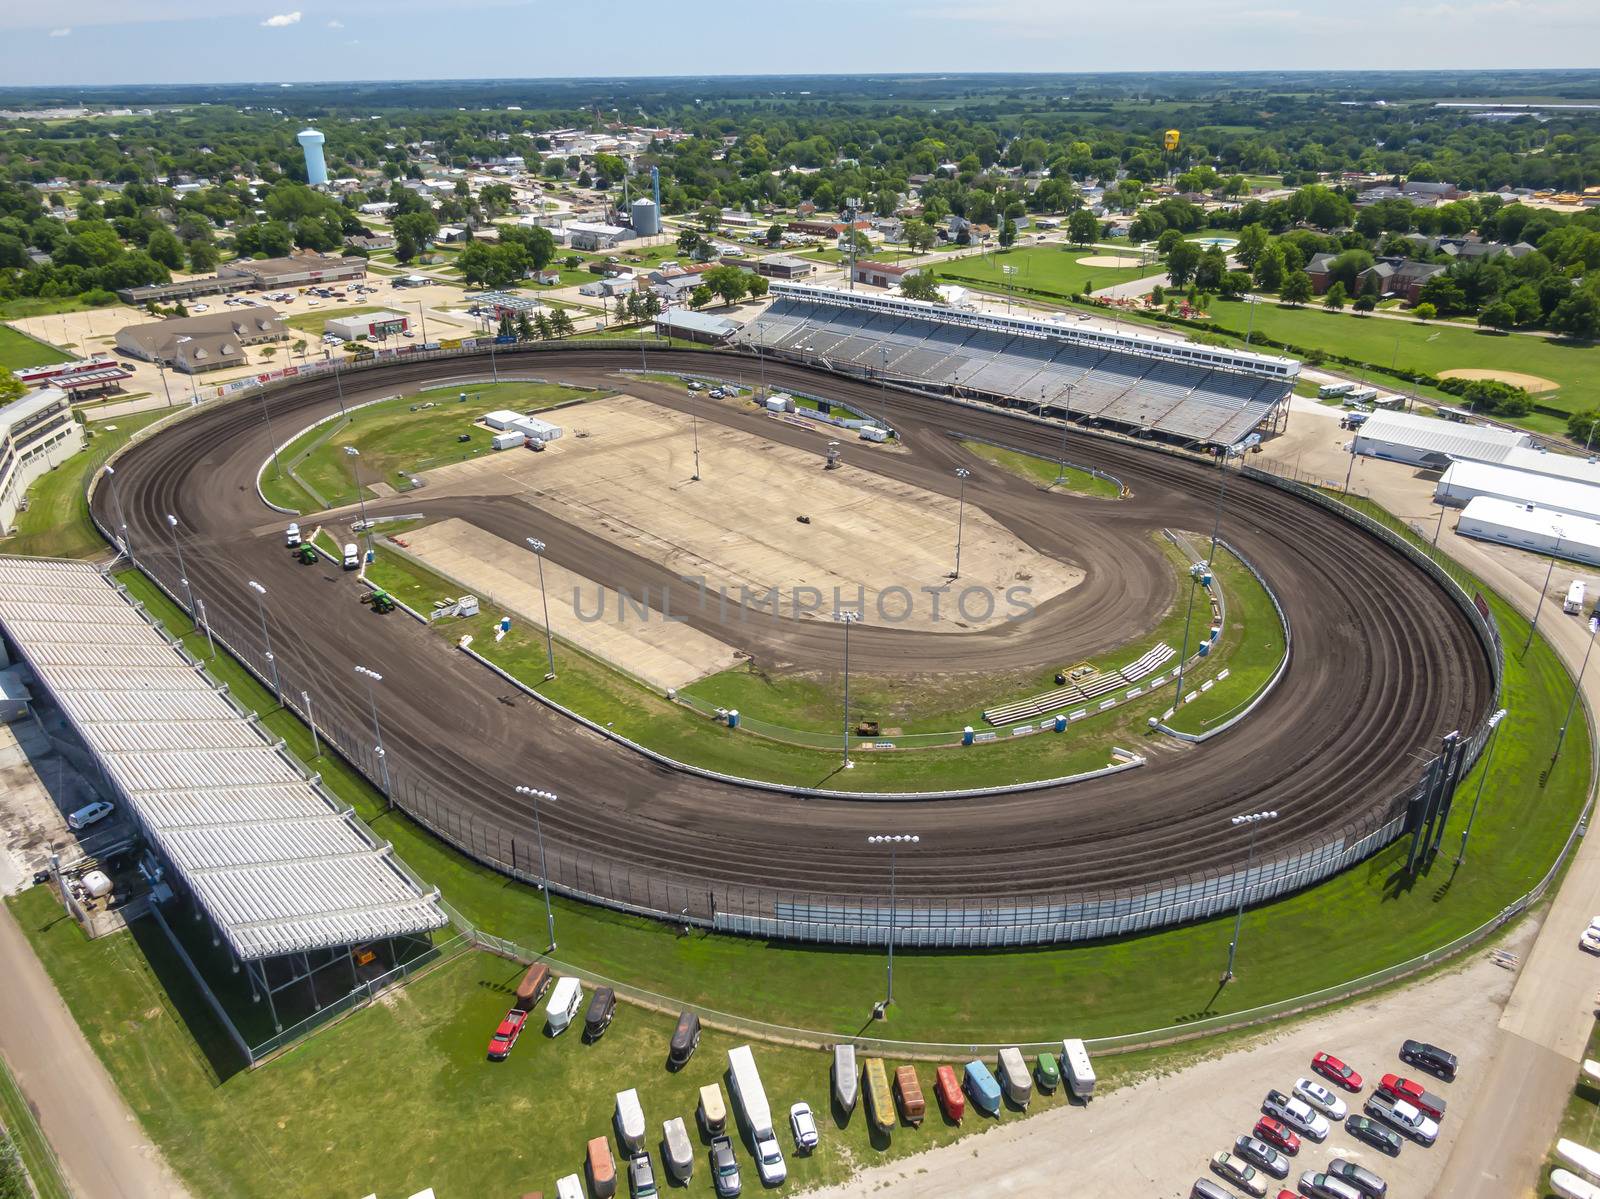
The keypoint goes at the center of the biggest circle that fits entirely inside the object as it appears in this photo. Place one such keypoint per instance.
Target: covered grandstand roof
(278, 864)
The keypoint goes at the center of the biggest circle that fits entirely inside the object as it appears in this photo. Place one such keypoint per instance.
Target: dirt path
(99, 1141)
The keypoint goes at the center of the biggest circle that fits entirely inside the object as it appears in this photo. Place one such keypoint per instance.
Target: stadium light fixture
(373, 677)
(894, 841)
(266, 637)
(1254, 821)
(536, 795)
(353, 454)
(962, 473)
(847, 617)
(537, 547)
(183, 573)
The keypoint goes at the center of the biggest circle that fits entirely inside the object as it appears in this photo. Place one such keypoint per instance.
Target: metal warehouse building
(1466, 481)
(1424, 441)
(1538, 461)
(1531, 528)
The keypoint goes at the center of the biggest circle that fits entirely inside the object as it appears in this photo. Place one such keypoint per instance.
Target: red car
(1336, 1071)
(1414, 1093)
(1277, 1134)
(506, 1035)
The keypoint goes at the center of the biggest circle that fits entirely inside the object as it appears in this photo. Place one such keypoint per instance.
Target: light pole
(183, 574)
(1538, 604)
(961, 516)
(1577, 680)
(277, 467)
(1228, 451)
(116, 501)
(1255, 820)
(352, 453)
(537, 547)
(1066, 421)
(162, 367)
(200, 605)
(373, 677)
(1488, 761)
(544, 874)
(424, 317)
(311, 719)
(694, 420)
(894, 841)
(339, 385)
(261, 611)
(847, 617)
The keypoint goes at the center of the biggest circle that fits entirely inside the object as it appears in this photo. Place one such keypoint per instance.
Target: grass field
(393, 439)
(1049, 270)
(25, 306)
(1046, 473)
(1425, 347)
(401, 1096)
(22, 1128)
(18, 351)
(57, 524)
(1366, 918)
(315, 322)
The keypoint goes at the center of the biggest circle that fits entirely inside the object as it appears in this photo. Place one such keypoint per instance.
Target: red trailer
(948, 1087)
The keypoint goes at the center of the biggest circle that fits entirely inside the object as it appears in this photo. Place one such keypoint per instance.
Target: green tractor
(307, 553)
(380, 600)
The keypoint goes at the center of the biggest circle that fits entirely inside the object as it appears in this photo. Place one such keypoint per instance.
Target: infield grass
(1045, 472)
(1050, 270)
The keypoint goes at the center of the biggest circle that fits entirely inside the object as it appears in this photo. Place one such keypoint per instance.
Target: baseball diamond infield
(1384, 663)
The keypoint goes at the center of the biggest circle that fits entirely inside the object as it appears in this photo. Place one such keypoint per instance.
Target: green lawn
(1251, 649)
(1046, 270)
(25, 306)
(22, 1129)
(1425, 347)
(18, 351)
(57, 524)
(401, 1096)
(1046, 473)
(315, 322)
(393, 439)
(1365, 918)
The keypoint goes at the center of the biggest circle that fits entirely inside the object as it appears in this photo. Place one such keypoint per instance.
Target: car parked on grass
(1277, 1134)
(1411, 1091)
(804, 1125)
(505, 1036)
(1240, 1173)
(1297, 1114)
(1438, 1062)
(1363, 1179)
(769, 1161)
(724, 1167)
(1380, 1136)
(92, 813)
(1408, 1121)
(1262, 1155)
(1321, 1098)
(1336, 1072)
(1325, 1186)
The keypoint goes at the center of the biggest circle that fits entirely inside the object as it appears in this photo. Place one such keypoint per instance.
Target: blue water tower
(311, 142)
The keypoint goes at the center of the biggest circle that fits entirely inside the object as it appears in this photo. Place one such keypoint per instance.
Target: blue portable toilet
(505, 624)
(1061, 722)
(733, 718)
(967, 735)
(1205, 649)
(1205, 577)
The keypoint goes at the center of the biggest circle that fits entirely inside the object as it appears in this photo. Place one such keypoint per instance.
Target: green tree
(1212, 267)
(541, 325)
(1365, 302)
(1584, 426)
(1426, 312)
(1269, 269)
(202, 256)
(1182, 262)
(688, 242)
(561, 323)
(1577, 316)
(1498, 315)
(920, 285)
(1335, 298)
(165, 248)
(1008, 233)
(700, 296)
(728, 282)
(920, 235)
(1253, 242)
(1082, 228)
(775, 235)
(1296, 288)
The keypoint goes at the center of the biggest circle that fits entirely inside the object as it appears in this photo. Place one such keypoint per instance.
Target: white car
(805, 1127)
(1321, 1098)
(1590, 939)
(1296, 1113)
(769, 1162)
(200, 308)
(89, 814)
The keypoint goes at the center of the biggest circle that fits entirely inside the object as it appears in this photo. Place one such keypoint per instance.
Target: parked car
(1590, 940)
(1363, 1179)
(1239, 1172)
(1408, 1121)
(769, 1161)
(1297, 1114)
(1277, 1134)
(1325, 1186)
(1262, 1155)
(1336, 1072)
(641, 1176)
(1321, 1098)
(1204, 1188)
(804, 1125)
(1412, 1092)
(724, 1167)
(506, 1035)
(1379, 1136)
(92, 813)
(1436, 1061)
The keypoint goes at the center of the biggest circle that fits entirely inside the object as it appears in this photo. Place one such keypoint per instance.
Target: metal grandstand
(1188, 393)
(283, 870)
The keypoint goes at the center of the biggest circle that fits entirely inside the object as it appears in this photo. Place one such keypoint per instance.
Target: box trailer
(713, 1111)
(1329, 390)
(1015, 1076)
(845, 1079)
(908, 1089)
(602, 1169)
(1574, 600)
(565, 997)
(948, 1089)
(630, 1121)
(981, 1086)
(880, 1100)
(598, 1018)
(532, 987)
(748, 1092)
(677, 1152)
(569, 1187)
(1076, 1068)
(685, 1040)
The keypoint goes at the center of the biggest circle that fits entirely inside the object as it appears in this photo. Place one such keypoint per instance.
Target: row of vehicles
(1398, 1109)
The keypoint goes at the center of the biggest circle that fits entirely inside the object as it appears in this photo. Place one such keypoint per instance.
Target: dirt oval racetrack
(1384, 663)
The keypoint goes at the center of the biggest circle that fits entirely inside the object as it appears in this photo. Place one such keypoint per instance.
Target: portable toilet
(967, 735)
(1205, 577)
(1060, 722)
(1205, 649)
(733, 718)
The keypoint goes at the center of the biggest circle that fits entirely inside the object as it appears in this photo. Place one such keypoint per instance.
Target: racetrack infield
(1384, 664)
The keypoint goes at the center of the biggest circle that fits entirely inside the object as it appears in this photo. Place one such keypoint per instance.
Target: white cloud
(64, 32)
(281, 21)
(335, 24)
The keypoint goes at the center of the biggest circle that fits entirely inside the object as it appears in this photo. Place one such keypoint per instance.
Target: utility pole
(122, 524)
(261, 610)
(352, 453)
(277, 466)
(373, 677)
(1594, 624)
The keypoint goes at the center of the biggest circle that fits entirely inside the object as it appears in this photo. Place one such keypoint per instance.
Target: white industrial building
(590, 235)
(1529, 527)
(1538, 461)
(1466, 481)
(1426, 441)
(531, 427)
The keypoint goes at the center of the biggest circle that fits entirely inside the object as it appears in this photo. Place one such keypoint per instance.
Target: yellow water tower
(1170, 141)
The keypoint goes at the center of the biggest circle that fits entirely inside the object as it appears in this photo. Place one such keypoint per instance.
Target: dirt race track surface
(1383, 662)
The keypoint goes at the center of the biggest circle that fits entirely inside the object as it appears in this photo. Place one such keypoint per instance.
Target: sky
(230, 41)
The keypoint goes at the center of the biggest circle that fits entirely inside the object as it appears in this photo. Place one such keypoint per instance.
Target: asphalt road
(1383, 664)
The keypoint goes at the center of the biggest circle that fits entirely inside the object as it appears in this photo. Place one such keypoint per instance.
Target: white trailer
(1076, 1067)
(748, 1092)
(1574, 600)
(1015, 1076)
(630, 1120)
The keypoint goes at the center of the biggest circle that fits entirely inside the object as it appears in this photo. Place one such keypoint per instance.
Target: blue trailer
(981, 1087)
